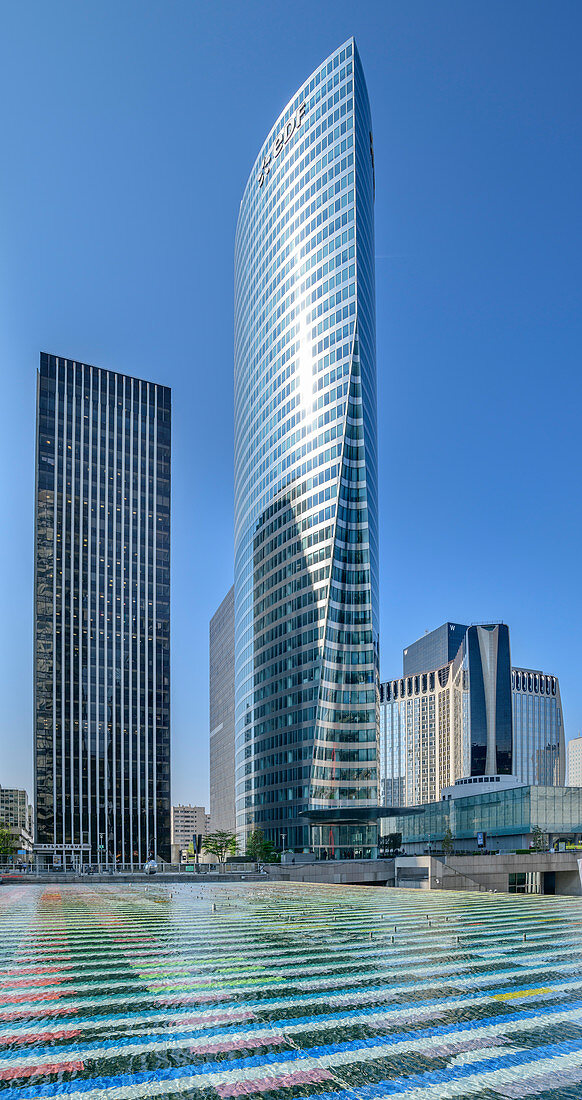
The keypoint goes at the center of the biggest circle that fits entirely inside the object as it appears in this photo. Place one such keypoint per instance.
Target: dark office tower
(102, 615)
(434, 650)
(486, 668)
(306, 499)
(222, 815)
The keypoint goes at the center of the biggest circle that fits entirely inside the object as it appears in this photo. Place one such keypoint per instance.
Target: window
(525, 882)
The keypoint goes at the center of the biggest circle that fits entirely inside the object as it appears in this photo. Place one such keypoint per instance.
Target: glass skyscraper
(306, 556)
(102, 616)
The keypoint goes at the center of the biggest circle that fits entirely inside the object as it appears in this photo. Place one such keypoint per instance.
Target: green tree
(448, 843)
(7, 843)
(259, 849)
(220, 844)
(539, 840)
(393, 842)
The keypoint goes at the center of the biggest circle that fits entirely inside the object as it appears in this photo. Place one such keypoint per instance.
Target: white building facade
(575, 762)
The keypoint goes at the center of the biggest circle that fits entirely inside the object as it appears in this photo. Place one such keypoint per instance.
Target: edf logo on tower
(281, 140)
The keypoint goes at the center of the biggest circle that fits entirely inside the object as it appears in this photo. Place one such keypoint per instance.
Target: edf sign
(281, 140)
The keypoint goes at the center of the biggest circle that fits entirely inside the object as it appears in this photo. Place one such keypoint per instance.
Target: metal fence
(113, 869)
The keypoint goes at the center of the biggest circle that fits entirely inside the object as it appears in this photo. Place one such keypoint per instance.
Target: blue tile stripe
(388, 1087)
(80, 1049)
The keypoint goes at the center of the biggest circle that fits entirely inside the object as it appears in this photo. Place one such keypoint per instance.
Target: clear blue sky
(128, 133)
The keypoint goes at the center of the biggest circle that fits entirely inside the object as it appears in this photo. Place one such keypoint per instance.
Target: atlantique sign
(281, 140)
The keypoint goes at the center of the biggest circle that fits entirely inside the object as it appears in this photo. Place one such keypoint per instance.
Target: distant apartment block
(222, 795)
(187, 822)
(15, 809)
(16, 816)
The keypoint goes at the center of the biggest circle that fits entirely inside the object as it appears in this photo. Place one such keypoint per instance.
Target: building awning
(356, 815)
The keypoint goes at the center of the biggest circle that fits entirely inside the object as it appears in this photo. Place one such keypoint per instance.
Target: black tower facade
(102, 616)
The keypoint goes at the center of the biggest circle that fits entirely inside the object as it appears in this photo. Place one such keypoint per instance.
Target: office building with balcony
(306, 510)
(102, 616)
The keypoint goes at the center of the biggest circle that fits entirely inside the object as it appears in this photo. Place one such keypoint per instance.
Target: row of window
(411, 685)
(534, 682)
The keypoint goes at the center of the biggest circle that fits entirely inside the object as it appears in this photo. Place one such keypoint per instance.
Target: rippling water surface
(287, 991)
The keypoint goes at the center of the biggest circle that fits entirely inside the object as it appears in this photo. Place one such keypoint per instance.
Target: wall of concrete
(568, 882)
(348, 872)
(487, 872)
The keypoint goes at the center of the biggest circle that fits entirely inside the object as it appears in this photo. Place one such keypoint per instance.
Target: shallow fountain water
(288, 990)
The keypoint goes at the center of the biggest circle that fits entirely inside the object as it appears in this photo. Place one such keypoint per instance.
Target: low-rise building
(16, 816)
(188, 822)
(494, 813)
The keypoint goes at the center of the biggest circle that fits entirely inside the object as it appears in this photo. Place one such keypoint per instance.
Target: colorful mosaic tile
(339, 993)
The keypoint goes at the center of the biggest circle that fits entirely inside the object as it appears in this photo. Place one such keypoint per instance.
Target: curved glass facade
(306, 555)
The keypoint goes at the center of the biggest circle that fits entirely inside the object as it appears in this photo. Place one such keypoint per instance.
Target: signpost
(196, 846)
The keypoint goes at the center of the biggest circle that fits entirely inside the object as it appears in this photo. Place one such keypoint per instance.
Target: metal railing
(87, 870)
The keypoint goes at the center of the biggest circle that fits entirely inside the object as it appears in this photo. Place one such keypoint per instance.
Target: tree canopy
(220, 844)
(392, 842)
(7, 842)
(448, 843)
(259, 849)
(539, 839)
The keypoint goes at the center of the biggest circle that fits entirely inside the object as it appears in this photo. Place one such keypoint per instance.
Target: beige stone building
(188, 821)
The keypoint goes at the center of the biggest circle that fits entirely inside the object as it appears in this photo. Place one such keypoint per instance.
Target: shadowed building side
(221, 713)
